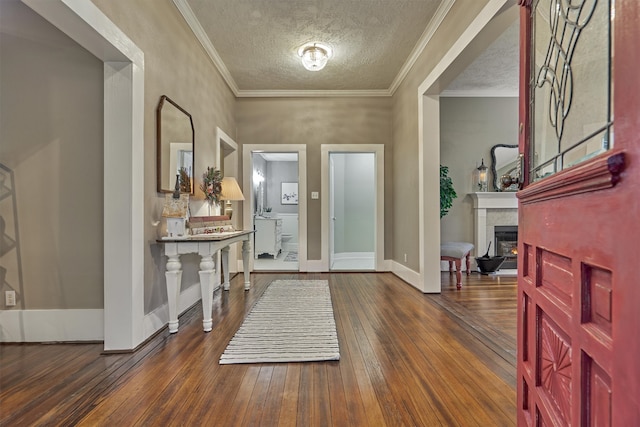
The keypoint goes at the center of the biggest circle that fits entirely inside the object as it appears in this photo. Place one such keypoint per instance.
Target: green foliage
(212, 185)
(447, 193)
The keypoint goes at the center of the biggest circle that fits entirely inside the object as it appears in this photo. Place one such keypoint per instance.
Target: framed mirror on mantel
(175, 149)
(504, 162)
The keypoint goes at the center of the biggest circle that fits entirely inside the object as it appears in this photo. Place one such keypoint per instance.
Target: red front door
(579, 237)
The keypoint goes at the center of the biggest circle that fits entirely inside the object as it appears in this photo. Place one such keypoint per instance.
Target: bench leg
(468, 264)
(458, 274)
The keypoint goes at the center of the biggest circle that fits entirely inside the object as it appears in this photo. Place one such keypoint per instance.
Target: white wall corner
(410, 276)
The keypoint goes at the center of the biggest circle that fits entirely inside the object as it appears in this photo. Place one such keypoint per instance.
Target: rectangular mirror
(176, 137)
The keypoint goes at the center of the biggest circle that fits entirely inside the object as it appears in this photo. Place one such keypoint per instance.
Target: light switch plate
(315, 195)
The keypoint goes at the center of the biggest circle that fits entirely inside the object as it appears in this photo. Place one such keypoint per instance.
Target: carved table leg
(246, 248)
(458, 273)
(174, 278)
(224, 252)
(207, 275)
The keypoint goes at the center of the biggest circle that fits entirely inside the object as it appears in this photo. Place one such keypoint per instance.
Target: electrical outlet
(405, 257)
(315, 195)
(10, 298)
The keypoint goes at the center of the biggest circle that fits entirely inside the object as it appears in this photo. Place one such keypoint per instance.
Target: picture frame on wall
(289, 193)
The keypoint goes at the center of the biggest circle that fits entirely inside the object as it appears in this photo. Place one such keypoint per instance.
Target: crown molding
(198, 31)
(428, 33)
(480, 93)
(311, 93)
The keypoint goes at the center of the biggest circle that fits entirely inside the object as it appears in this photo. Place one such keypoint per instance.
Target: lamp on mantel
(230, 192)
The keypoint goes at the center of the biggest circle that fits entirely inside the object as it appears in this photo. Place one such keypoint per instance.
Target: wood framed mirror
(175, 149)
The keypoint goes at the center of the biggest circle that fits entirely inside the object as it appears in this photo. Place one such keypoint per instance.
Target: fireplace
(506, 244)
(494, 211)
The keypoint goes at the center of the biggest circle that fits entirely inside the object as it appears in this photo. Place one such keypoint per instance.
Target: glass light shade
(481, 178)
(314, 56)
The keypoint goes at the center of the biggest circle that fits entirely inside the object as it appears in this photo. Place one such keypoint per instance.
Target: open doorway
(275, 196)
(352, 192)
(252, 209)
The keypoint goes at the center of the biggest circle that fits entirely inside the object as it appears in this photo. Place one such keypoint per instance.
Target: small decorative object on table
(176, 211)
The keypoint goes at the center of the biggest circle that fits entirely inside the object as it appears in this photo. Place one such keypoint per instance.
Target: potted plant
(447, 193)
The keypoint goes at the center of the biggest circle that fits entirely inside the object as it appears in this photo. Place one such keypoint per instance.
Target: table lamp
(230, 192)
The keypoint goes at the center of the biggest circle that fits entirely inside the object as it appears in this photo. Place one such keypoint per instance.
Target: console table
(206, 245)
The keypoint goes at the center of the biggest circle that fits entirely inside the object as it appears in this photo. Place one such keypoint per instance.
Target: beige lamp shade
(230, 189)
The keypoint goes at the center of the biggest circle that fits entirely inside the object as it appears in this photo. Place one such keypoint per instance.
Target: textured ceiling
(254, 43)
(495, 70)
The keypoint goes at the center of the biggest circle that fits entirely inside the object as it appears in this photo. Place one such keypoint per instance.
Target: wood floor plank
(406, 358)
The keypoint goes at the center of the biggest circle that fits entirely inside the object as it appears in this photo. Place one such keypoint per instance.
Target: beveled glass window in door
(571, 83)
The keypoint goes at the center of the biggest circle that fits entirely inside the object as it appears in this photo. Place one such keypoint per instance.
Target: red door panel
(579, 281)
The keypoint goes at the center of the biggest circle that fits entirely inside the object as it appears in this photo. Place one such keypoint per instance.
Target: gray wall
(51, 115)
(51, 135)
(404, 233)
(277, 173)
(317, 121)
(469, 127)
(176, 66)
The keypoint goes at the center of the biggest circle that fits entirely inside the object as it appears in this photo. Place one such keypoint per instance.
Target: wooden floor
(407, 359)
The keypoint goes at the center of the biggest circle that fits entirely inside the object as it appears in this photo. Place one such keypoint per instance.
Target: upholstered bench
(454, 252)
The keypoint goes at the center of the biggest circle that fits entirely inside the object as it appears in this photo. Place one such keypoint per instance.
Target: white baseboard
(353, 255)
(159, 318)
(411, 277)
(81, 324)
(51, 325)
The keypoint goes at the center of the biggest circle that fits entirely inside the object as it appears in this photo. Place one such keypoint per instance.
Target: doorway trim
(228, 163)
(123, 232)
(429, 150)
(247, 182)
(378, 150)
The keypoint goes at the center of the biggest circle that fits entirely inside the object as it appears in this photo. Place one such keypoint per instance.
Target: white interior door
(352, 207)
(332, 215)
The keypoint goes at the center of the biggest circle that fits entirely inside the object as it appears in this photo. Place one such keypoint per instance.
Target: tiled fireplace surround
(492, 209)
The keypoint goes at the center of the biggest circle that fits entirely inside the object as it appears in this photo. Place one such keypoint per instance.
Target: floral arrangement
(212, 185)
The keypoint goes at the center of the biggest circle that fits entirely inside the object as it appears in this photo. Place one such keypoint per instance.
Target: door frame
(226, 159)
(247, 178)
(378, 150)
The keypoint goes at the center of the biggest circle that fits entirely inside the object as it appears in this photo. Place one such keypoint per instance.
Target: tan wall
(469, 127)
(175, 65)
(316, 121)
(51, 115)
(405, 133)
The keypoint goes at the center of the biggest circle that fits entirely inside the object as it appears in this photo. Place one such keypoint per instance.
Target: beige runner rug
(292, 322)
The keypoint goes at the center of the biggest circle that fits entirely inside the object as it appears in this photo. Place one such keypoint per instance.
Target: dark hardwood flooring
(407, 359)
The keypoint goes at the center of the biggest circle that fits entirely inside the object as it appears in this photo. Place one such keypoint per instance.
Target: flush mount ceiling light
(314, 56)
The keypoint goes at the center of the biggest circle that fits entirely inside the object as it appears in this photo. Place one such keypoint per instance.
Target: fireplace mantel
(495, 200)
(486, 202)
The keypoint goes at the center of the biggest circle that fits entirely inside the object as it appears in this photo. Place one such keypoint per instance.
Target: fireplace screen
(507, 245)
